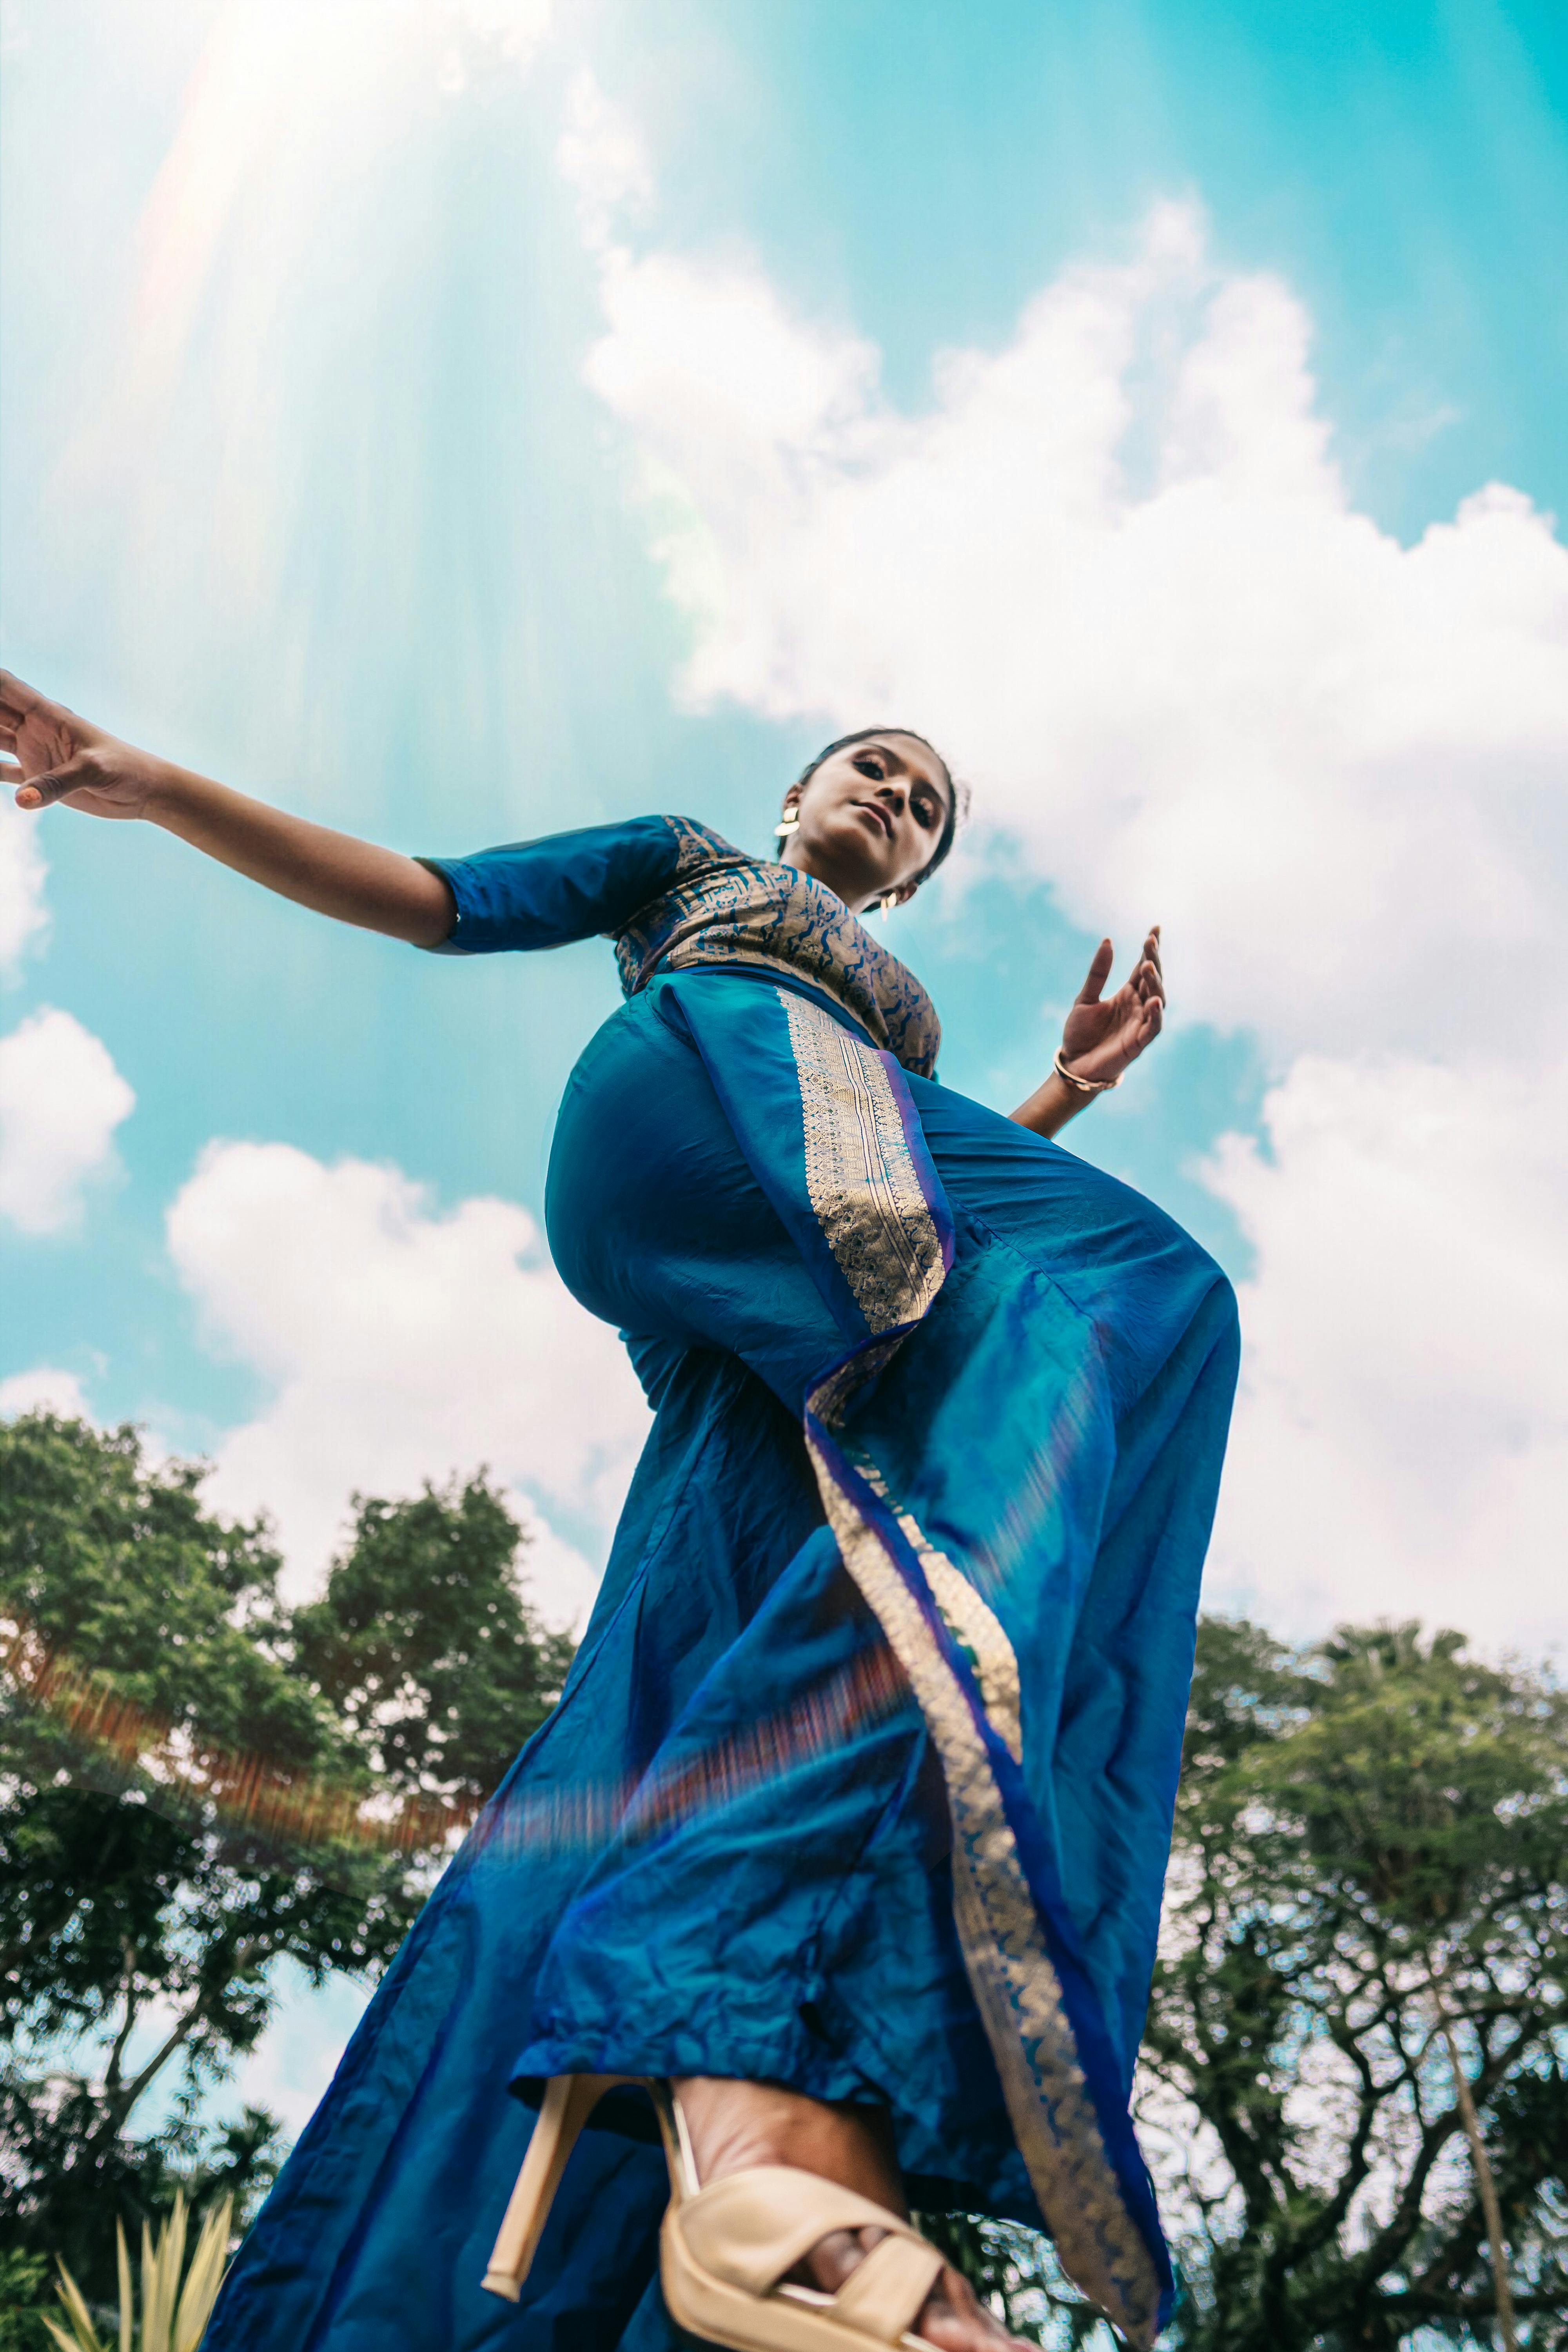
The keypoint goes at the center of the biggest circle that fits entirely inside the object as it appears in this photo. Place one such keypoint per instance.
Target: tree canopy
(425, 1647)
(1367, 1919)
(197, 1783)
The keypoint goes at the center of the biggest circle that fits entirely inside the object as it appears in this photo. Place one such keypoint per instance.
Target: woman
(847, 1835)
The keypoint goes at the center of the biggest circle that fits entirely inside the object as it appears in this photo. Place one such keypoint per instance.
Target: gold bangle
(1083, 1085)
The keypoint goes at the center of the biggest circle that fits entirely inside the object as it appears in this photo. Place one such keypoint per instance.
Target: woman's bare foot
(734, 2125)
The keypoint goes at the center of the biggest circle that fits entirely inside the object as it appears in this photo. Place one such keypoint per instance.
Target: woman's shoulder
(697, 845)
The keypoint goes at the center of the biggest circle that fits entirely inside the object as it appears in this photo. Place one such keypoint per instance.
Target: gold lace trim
(860, 1173)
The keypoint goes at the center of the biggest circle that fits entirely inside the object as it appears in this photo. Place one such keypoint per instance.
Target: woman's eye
(924, 814)
(869, 765)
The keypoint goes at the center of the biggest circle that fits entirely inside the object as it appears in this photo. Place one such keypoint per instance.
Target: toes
(832, 2259)
(952, 2319)
(955, 2320)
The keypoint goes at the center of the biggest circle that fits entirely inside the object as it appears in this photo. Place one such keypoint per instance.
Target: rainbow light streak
(136, 1747)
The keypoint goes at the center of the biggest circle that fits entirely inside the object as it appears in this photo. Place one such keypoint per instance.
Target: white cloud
(1401, 1434)
(61, 1099)
(601, 154)
(45, 1388)
(399, 1344)
(1113, 569)
(21, 887)
(515, 26)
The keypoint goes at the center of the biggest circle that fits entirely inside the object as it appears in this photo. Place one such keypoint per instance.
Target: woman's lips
(879, 816)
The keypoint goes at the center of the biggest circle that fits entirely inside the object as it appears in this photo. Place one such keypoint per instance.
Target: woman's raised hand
(55, 756)
(1101, 1036)
(1104, 1033)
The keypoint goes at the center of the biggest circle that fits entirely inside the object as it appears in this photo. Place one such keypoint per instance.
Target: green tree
(24, 2292)
(1368, 1925)
(1369, 1887)
(186, 1771)
(424, 1644)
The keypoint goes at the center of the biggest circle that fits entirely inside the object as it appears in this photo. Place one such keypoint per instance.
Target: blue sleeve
(568, 885)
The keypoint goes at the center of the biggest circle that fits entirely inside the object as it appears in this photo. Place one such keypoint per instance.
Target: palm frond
(203, 2278)
(122, 2270)
(84, 2337)
(173, 2316)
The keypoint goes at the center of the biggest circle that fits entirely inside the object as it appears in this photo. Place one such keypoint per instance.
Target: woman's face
(871, 817)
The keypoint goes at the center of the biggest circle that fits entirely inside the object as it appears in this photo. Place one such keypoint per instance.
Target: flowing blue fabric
(863, 1777)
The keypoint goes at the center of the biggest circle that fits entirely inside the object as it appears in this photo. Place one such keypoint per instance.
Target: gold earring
(789, 823)
(888, 903)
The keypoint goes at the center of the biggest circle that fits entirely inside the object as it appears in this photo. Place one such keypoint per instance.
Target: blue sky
(458, 418)
(310, 480)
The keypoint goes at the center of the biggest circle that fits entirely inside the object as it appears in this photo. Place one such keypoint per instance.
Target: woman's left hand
(1103, 1035)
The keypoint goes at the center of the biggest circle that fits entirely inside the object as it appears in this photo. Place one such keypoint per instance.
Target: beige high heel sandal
(725, 2251)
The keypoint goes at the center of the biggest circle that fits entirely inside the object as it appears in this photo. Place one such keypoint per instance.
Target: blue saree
(863, 1776)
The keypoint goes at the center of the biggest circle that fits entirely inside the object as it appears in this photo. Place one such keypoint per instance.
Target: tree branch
(121, 2106)
(179, 2033)
(1483, 2170)
(117, 2051)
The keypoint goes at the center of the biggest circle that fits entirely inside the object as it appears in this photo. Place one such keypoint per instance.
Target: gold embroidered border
(1016, 1987)
(972, 1622)
(860, 1174)
(968, 1617)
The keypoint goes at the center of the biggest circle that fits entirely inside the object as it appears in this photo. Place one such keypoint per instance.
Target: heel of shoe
(569, 2101)
(677, 2139)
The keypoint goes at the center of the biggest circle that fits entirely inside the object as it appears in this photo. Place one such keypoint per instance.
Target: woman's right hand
(59, 757)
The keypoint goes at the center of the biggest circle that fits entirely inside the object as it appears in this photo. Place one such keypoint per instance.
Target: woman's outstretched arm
(55, 756)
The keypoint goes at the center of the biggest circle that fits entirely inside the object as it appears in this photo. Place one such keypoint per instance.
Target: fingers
(1098, 974)
(1146, 1018)
(20, 703)
(42, 792)
(1148, 980)
(1150, 1022)
(17, 699)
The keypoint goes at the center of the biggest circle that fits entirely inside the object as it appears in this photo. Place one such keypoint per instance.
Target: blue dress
(863, 1776)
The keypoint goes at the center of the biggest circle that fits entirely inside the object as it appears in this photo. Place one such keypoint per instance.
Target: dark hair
(957, 794)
